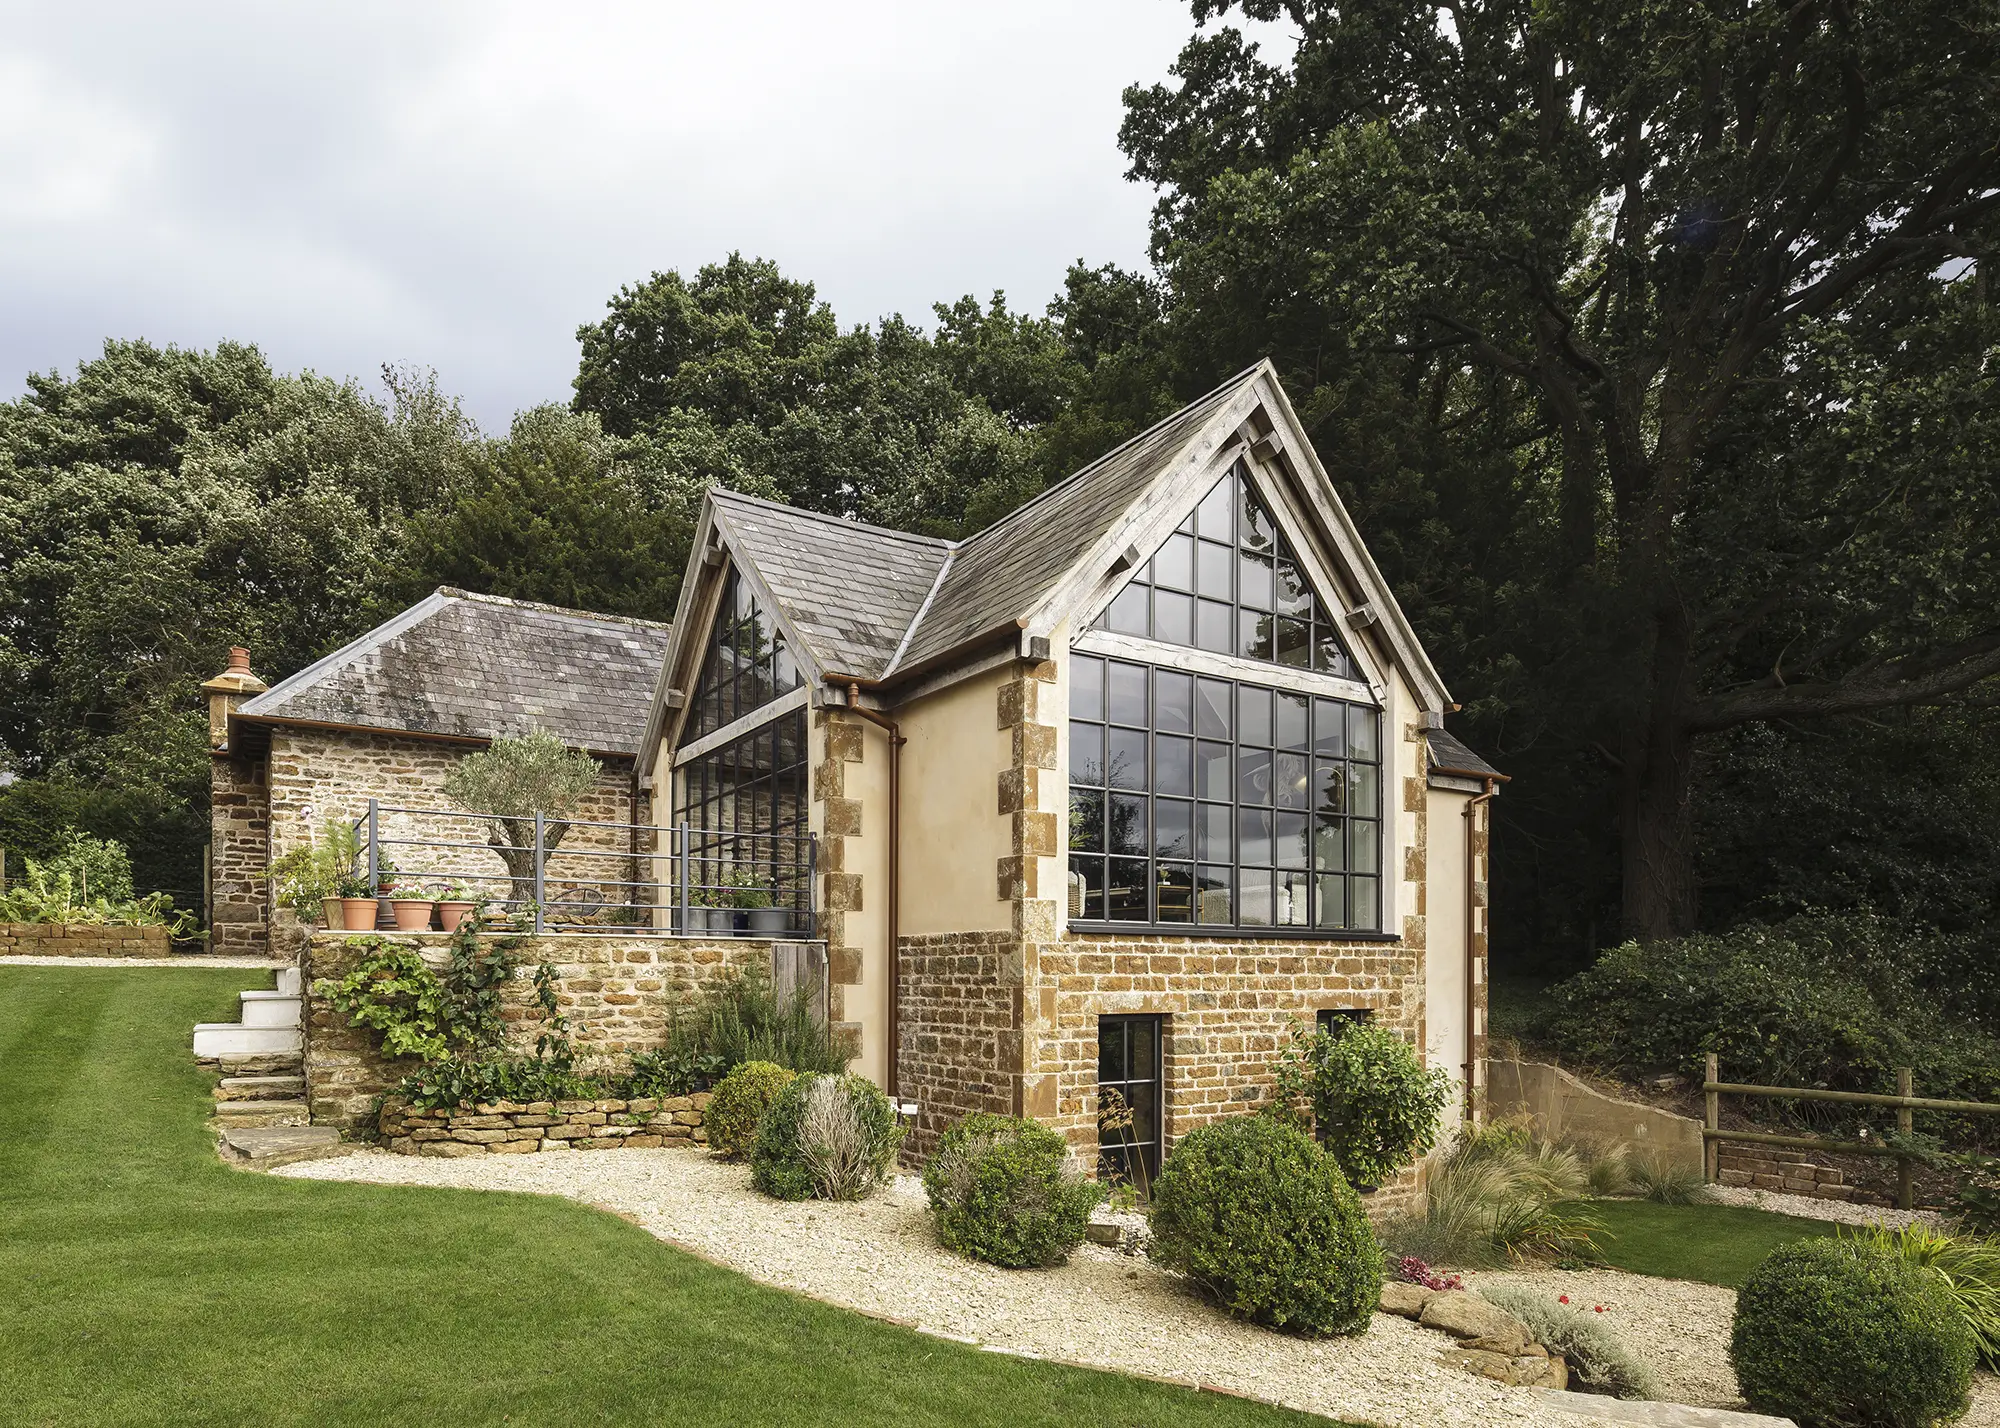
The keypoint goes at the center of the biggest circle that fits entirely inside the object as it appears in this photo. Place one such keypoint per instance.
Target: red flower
(1562, 1299)
(1600, 1308)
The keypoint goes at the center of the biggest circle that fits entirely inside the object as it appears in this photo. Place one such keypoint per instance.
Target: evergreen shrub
(1007, 1191)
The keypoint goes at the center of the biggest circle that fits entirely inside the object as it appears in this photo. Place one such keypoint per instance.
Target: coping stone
(1655, 1414)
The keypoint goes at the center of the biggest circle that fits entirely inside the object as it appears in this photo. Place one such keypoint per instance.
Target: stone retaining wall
(1789, 1172)
(617, 992)
(524, 1128)
(54, 939)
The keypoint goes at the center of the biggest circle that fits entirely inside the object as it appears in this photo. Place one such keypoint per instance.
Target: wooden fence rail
(1906, 1102)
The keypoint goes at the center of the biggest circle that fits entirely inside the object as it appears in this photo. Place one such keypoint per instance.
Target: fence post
(1711, 1150)
(538, 873)
(374, 849)
(1906, 1122)
(681, 877)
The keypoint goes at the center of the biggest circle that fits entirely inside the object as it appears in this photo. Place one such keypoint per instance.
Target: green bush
(733, 1022)
(1373, 1103)
(740, 1100)
(1970, 1265)
(1843, 1334)
(1007, 1191)
(1260, 1217)
(1813, 1001)
(826, 1138)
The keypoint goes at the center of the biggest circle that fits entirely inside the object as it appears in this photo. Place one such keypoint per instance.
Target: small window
(1129, 1103)
(1339, 1019)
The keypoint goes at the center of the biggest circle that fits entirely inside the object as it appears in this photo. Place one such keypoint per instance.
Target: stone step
(269, 1008)
(262, 1113)
(258, 1063)
(290, 981)
(267, 1147)
(1595, 1410)
(261, 1088)
(230, 1038)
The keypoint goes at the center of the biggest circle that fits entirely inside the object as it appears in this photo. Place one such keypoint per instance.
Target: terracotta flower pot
(357, 914)
(330, 914)
(450, 914)
(413, 914)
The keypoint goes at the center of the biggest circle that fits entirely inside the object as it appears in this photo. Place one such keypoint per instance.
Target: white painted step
(290, 981)
(230, 1038)
(269, 1008)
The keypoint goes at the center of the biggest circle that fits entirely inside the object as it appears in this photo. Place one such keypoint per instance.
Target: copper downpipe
(896, 742)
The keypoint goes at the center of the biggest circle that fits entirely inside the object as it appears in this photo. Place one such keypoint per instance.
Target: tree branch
(1918, 679)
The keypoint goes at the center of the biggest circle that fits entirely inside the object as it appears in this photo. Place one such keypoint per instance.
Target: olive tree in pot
(516, 778)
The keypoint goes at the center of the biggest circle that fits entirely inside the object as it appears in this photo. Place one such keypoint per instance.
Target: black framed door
(1129, 1062)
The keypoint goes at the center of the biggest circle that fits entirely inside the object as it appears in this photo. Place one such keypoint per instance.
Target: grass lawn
(1715, 1244)
(142, 1282)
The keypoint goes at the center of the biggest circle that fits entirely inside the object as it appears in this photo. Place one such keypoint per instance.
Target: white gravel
(1807, 1207)
(1104, 1309)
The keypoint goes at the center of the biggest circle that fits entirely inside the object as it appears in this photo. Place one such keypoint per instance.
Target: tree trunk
(514, 841)
(1656, 816)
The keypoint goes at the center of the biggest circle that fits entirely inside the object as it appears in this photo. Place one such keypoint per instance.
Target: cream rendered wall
(1444, 980)
(953, 832)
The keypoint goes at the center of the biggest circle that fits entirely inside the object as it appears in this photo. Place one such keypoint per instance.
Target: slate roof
(850, 590)
(1450, 755)
(477, 666)
(872, 602)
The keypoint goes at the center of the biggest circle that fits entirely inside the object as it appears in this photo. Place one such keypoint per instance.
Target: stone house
(1106, 797)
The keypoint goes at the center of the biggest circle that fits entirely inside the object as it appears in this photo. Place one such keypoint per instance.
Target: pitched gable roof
(849, 591)
(465, 666)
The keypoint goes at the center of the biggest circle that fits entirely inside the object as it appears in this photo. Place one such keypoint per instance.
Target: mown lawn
(142, 1282)
(1715, 1244)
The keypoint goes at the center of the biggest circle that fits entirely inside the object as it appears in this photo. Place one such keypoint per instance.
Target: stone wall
(55, 939)
(524, 1128)
(1561, 1105)
(959, 1043)
(1789, 1172)
(617, 992)
(239, 903)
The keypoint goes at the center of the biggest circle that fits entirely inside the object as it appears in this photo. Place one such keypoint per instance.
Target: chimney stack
(228, 690)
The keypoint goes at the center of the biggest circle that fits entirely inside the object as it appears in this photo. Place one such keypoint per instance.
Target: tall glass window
(1227, 581)
(1217, 803)
(747, 665)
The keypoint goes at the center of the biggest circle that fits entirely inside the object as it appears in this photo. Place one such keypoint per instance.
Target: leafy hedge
(1374, 1105)
(1813, 1001)
(1006, 1191)
(1259, 1216)
(1842, 1333)
(738, 1107)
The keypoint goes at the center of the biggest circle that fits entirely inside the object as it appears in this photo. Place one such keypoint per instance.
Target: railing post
(539, 865)
(374, 848)
(1711, 1149)
(812, 886)
(1906, 1123)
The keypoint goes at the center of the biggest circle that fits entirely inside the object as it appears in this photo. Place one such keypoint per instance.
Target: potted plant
(309, 876)
(358, 907)
(454, 904)
(764, 918)
(709, 910)
(411, 907)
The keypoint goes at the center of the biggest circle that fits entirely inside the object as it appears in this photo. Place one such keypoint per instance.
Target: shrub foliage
(1844, 1334)
(1373, 1103)
(1007, 1191)
(826, 1138)
(1598, 1359)
(741, 1098)
(1260, 1217)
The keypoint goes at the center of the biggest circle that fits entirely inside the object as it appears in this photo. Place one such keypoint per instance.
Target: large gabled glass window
(1206, 802)
(1227, 581)
(747, 665)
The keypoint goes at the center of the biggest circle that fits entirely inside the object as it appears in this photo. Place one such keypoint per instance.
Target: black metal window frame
(1202, 803)
(747, 805)
(1228, 581)
(747, 665)
(1145, 1094)
(1338, 1019)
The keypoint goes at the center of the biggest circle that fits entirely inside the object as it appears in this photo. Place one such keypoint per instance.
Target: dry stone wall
(618, 994)
(239, 904)
(1789, 1172)
(55, 939)
(525, 1128)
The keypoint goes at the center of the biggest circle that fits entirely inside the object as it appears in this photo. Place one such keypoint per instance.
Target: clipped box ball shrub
(1007, 1191)
(1259, 1216)
(739, 1103)
(826, 1138)
(1840, 1333)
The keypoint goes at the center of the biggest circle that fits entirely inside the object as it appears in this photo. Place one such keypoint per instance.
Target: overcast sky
(459, 186)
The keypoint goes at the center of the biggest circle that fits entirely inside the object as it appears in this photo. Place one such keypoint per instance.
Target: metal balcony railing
(579, 875)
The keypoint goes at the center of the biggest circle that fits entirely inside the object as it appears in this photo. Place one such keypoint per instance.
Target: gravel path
(1682, 1330)
(1807, 1207)
(1104, 1309)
